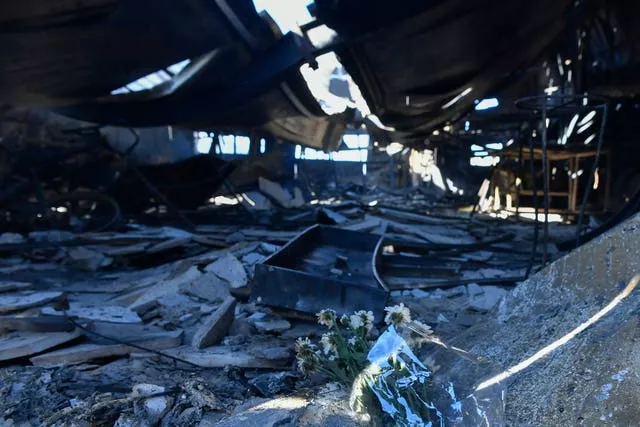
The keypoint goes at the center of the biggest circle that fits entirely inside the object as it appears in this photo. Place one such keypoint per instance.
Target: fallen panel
(323, 268)
(85, 352)
(9, 303)
(22, 344)
(223, 356)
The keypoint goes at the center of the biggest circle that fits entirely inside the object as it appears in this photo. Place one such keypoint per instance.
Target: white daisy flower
(344, 321)
(367, 319)
(304, 346)
(327, 318)
(327, 344)
(307, 364)
(397, 315)
(356, 321)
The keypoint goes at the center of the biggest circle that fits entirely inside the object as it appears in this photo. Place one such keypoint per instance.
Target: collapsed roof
(418, 64)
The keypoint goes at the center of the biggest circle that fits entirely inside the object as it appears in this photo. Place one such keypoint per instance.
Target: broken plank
(35, 324)
(22, 344)
(430, 236)
(424, 219)
(216, 326)
(101, 313)
(223, 356)
(169, 244)
(14, 286)
(85, 352)
(17, 302)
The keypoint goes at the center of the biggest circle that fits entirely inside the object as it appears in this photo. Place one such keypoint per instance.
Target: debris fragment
(23, 344)
(230, 269)
(215, 327)
(16, 302)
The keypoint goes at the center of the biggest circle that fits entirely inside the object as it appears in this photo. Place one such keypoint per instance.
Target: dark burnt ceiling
(420, 65)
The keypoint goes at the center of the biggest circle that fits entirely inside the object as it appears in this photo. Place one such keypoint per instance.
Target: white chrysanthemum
(367, 319)
(397, 315)
(307, 365)
(327, 318)
(344, 321)
(356, 321)
(352, 341)
(327, 345)
(304, 346)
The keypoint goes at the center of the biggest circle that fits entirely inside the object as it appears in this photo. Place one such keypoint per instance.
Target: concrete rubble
(181, 341)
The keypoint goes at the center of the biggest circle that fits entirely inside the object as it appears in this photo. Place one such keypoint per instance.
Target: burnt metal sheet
(323, 268)
(268, 92)
(420, 63)
(59, 54)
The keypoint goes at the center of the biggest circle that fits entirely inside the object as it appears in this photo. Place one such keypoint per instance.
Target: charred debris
(185, 185)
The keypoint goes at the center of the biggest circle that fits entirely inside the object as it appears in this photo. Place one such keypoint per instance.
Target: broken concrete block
(272, 326)
(419, 293)
(455, 292)
(230, 269)
(154, 408)
(474, 289)
(216, 326)
(485, 302)
(109, 314)
(468, 319)
(241, 327)
(86, 259)
(16, 302)
(252, 258)
(269, 248)
(208, 287)
(147, 298)
(22, 344)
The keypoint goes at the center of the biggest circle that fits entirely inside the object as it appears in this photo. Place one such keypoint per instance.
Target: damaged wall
(593, 379)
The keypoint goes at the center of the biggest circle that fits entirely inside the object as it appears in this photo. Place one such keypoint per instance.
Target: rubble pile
(159, 325)
(162, 326)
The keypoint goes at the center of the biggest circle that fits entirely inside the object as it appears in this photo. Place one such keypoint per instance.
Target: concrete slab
(594, 377)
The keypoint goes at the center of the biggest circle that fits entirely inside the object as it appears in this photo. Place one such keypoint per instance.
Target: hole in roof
(152, 80)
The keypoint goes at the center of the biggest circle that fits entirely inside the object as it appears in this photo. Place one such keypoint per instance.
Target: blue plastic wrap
(411, 394)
